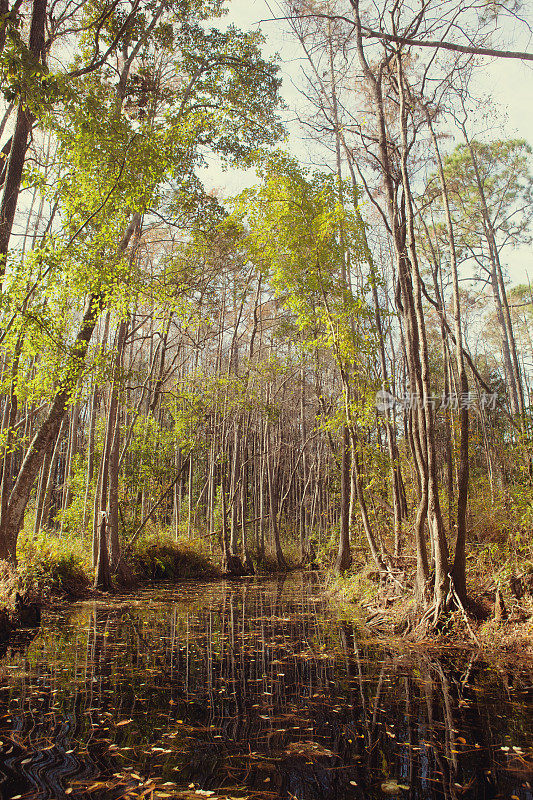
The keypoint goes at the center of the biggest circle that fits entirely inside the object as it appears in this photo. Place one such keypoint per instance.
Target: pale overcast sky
(508, 83)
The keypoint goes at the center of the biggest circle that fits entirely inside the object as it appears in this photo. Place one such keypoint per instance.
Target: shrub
(49, 564)
(162, 558)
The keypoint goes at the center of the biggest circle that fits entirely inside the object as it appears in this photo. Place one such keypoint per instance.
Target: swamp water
(251, 689)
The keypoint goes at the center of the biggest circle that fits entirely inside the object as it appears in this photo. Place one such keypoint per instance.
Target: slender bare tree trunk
(408, 309)
(50, 478)
(459, 564)
(91, 440)
(41, 491)
(114, 449)
(440, 547)
(70, 455)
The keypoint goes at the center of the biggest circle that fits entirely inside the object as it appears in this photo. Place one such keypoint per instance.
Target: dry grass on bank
(53, 566)
(498, 620)
(164, 559)
(499, 562)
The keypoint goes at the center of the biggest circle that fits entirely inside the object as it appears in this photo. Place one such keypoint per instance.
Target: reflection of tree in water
(253, 685)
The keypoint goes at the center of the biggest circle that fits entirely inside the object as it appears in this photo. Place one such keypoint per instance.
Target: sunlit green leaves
(304, 240)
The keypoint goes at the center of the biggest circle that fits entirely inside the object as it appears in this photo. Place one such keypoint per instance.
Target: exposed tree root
(426, 617)
(433, 617)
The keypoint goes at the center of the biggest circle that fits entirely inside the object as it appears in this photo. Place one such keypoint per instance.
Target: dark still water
(253, 689)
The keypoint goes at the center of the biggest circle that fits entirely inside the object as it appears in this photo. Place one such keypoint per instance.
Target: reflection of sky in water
(249, 688)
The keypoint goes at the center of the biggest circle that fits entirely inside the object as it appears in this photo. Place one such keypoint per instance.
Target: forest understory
(496, 619)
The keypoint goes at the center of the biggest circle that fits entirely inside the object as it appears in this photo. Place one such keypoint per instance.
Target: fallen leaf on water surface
(308, 749)
(392, 787)
(95, 786)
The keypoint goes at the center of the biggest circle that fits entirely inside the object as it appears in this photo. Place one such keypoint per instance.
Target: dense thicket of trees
(170, 361)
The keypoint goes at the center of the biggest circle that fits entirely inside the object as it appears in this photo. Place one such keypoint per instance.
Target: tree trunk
(41, 492)
(409, 303)
(273, 508)
(50, 478)
(459, 564)
(344, 556)
(12, 521)
(19, 141)
(90, 455)
(102, 578)
(440, 547)
(111, 454)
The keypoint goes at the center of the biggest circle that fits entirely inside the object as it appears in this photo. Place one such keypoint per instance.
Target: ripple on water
(251, 689)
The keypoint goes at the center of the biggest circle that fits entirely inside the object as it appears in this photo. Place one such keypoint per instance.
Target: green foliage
(120, 154)
(48, 564)
(503, 517)
(293, 221)
(71, 519)
(303, 239)
(355, 587)
(22, 77)
(504, 170)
